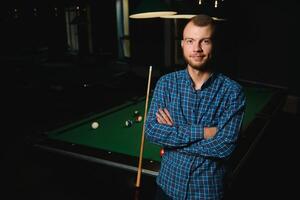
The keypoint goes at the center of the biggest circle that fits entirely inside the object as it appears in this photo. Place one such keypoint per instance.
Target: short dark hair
(203, 20)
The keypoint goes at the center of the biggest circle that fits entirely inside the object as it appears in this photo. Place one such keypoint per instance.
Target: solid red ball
(162, 151)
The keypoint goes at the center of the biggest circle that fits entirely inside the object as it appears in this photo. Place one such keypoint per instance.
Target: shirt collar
(207, 83)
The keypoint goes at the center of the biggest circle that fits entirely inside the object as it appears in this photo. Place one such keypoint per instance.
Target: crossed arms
(163, 117)
(216, 141)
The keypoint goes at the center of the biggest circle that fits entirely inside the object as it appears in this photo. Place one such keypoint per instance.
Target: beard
(203, 65)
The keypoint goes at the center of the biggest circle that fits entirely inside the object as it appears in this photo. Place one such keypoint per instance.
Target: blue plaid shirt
(193, 167)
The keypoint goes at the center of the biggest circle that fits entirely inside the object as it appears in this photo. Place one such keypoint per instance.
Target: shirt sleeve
(228, 128)
(165, 135)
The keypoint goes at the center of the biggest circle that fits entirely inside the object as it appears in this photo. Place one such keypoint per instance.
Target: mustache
(197, 55)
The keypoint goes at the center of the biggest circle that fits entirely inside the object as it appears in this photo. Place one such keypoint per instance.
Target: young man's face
(197, 45)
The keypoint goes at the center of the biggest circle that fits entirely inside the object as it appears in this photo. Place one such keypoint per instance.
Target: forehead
(195, 32)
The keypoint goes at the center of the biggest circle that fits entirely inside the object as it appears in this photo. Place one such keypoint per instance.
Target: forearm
(220, 146)
(173, 136)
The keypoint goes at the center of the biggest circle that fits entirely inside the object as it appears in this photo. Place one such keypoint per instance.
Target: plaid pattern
(193, 167)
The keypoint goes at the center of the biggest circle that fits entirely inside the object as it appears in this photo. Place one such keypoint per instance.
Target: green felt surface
(112, 134)
(256, 99)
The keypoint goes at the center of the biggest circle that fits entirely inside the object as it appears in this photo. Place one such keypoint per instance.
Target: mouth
(197, 57)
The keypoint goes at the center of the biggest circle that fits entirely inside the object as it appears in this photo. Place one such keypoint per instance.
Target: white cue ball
(95, 125)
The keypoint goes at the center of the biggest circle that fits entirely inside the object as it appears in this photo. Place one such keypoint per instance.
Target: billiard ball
(138, 118)
(136, 112)
(161, 152)
(95, 125)
(128, 123)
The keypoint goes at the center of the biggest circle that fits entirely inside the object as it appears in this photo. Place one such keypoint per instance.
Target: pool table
(116, 145)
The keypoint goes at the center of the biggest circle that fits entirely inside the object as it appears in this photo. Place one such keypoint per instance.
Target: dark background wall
(261, 42)
(267, 42)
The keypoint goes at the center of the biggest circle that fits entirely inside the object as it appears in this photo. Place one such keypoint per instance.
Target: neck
(199, 77)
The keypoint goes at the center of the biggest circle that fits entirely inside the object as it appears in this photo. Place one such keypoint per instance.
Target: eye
(206, 41)
(188, 41)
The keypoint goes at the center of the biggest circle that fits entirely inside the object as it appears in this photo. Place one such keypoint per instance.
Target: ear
(182, 43)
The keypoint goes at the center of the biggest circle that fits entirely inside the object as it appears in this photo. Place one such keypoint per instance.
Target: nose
(198, 46)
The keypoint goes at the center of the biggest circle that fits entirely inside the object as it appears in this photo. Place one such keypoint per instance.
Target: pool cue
(139, 172)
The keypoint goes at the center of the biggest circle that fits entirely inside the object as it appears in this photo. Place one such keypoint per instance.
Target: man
(195, 115)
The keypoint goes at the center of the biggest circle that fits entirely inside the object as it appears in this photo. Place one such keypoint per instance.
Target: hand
(163, 117)
(209, 132)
